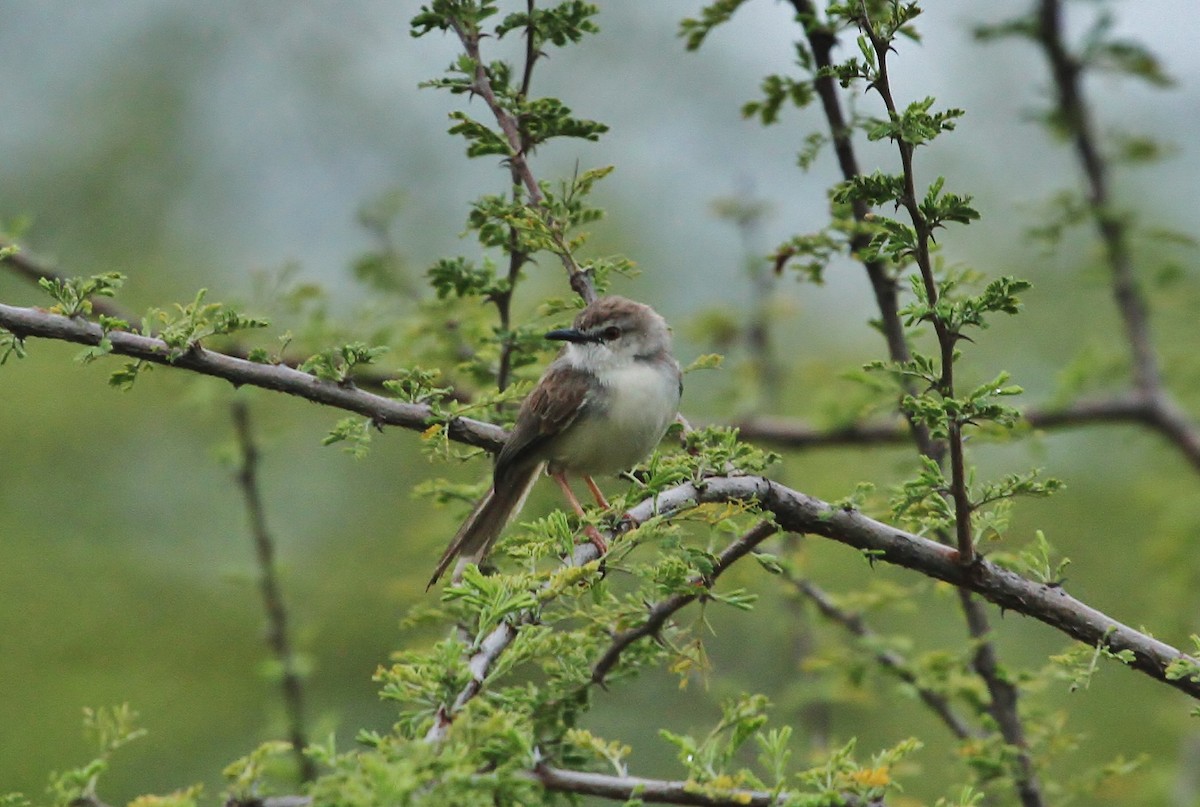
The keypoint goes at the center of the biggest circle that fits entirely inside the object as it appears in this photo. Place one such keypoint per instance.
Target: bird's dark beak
(569, 335)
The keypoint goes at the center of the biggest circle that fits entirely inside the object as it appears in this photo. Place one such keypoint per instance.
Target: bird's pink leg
(599, 497)
(592, 533)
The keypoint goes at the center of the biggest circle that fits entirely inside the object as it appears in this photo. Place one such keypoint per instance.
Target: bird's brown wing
(554, 404)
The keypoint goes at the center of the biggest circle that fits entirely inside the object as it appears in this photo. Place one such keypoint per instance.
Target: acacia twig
(33, 270)
(479, 664)
(1003, 694)
(481, 85)
(517, 257)
(821, 41)
(268, 583)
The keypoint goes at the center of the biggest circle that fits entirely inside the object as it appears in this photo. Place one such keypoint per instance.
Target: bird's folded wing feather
(561, 395)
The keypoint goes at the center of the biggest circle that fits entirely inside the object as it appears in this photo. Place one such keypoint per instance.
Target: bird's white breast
(634, 404)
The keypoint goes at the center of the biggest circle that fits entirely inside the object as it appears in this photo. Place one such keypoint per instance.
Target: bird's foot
(596, 538)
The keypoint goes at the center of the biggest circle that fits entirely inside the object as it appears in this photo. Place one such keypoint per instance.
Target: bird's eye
(610, 333)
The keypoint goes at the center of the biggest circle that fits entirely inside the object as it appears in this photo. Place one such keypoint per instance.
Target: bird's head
(615, 329)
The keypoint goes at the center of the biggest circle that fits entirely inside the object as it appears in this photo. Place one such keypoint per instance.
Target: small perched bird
(601, 406)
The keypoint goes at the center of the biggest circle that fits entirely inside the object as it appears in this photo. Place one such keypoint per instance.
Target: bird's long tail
(481, 529)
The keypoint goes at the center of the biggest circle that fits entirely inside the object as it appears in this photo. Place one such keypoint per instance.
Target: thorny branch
(793, 511)
(517, 257)
(821, 39)
(33, 270)
(1003, 693)
(800, 513)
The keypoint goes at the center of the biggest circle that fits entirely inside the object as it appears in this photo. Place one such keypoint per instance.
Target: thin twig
(890, 660)
(34, 270)
(660, 612)
(277, 631)
(517, 257)
(480, 664)
(1074, 112)
(1003, 694)
(947, 339)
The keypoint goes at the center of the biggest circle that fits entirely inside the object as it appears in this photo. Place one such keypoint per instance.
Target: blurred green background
(202, 145)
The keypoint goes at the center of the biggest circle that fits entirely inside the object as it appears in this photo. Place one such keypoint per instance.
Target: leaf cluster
(73, 295)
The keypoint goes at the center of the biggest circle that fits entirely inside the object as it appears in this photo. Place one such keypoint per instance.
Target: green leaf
(695, 31)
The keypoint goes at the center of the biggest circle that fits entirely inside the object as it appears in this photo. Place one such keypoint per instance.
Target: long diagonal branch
(797, 512)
